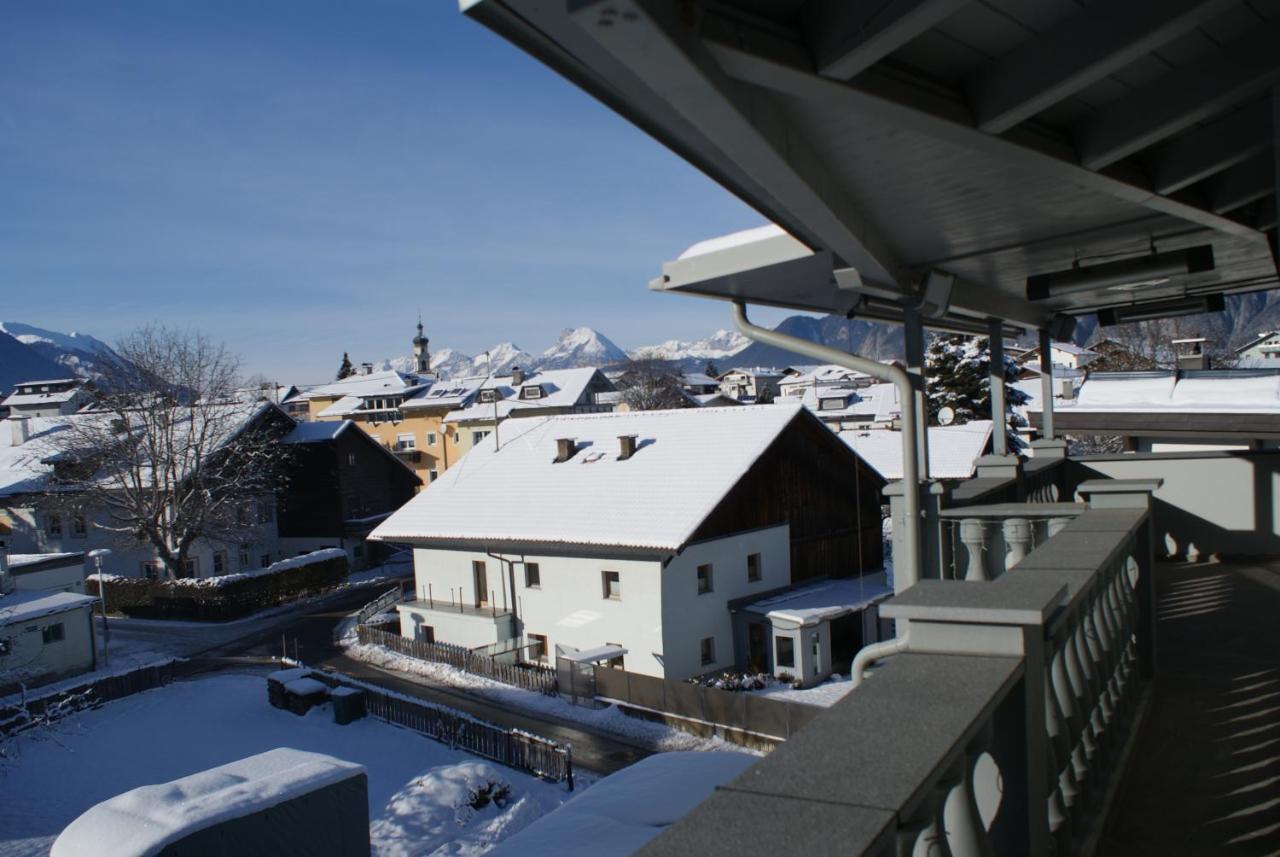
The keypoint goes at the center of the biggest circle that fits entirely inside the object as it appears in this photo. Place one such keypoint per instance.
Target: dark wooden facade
(325, 489)
(812, 480)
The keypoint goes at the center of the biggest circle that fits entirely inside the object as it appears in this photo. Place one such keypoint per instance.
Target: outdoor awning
(590, 656)
(991, 142)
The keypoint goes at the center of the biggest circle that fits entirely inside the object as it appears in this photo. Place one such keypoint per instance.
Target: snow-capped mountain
(717, 346)
(447, 363)
(78, 353)
(20, 362)
(501, 358)
(581, 346)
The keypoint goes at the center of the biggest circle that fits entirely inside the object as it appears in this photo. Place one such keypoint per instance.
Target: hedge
(231, 596)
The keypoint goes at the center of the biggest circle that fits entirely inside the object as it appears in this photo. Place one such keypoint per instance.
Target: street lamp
(98, 555)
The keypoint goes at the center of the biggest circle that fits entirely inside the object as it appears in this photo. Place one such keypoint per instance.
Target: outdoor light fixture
(1121, 275)
(1161, 309)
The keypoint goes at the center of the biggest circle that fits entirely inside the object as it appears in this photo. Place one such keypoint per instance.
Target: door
(757, 651)
(481, 580)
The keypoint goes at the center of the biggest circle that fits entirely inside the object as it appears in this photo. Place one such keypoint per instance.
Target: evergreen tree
(957, 370)
(710, 370)
(346, 370)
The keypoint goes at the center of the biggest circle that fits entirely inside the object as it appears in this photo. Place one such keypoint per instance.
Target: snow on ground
(826, 694)
(417, 787)
(608, 719)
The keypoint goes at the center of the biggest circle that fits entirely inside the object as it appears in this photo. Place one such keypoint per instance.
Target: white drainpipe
(905, 568)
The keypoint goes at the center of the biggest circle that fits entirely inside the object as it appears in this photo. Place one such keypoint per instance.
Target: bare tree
(171, 454)
(652, 385)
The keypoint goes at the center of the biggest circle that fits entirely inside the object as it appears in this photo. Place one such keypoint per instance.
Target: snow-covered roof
(1226, 392)
(56, 397)
(822, 600)
(698, 379)
(26, 605)
(561, 388)
(876, 402)
(656, 499)
(623, 811)
(18, 560)
(343, 407)
(953, 450)
(444, 394)
(753, 372)
(144, 820)
(379, 383)
(1261, 337)
(733, 239)
(316, 432)
(824, 374)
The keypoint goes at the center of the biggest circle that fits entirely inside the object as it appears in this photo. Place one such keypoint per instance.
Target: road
(309, 636)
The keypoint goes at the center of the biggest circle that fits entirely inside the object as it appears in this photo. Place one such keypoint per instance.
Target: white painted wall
(67, 577)
(34, 660)
(688, 616)
(660, 618)
(468, 629)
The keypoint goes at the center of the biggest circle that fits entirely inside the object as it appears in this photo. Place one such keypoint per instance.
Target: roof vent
(626, 446)
(565, 448)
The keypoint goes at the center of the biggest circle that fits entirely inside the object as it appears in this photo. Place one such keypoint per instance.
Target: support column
(995, 373)
(1046, 384)
(913, 337)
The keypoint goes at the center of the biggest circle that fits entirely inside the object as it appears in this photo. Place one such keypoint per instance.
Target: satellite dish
(946, 416)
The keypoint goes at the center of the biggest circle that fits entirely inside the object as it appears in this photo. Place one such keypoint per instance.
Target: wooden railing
(997, 732)
(527, 676)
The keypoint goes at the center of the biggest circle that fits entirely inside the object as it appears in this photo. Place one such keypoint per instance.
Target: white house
(750, 384)
(60, 396)
(630, 535)
(1262, 348)
(44, 634)
(797, 380)
(1062, 355)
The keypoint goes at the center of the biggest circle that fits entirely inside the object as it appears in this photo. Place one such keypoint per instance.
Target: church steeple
(421, 355)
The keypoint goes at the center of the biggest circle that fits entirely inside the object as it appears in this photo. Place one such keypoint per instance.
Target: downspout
(907, 568)
(867, 655)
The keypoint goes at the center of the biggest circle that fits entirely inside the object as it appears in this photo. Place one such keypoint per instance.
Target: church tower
(421, 356)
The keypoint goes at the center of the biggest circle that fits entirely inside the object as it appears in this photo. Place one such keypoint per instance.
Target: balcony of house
(455, 621)
(1065, 679)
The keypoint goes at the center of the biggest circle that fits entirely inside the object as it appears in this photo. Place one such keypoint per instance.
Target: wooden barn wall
(810, 479)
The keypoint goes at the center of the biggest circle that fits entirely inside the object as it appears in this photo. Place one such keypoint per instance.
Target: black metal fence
(514, 748)
(774, 718)
(527, 676)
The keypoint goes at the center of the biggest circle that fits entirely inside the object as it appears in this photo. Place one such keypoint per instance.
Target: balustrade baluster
(973, 535)
(1017, 535)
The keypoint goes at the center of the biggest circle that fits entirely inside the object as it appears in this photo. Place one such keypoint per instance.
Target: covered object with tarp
(283, 801)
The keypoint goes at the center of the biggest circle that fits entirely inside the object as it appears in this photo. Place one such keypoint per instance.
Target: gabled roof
(953, 450)
(561, 388)
(387, 382)
(24, 606)
(17, 400)
(654, 500)
(1260, 338)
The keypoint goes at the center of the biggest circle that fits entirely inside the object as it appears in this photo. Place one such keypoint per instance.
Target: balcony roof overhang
(884, 151)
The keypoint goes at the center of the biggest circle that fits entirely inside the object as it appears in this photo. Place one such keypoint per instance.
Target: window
(831, 404)
(477, 436)
(425, 633)
(531, 391)
(152, 570)
(266, 512)
(532, 575)
(786, 652)
(351, 459)
(265, 559)
(79, 526)
(219, 562)
(612, 584)
(753, 568)
(53, 633)
(488, 397)
(708, 650)
(615, 663)
(431, 438)
(406, 441)
(191, 566)
(244, 560)
(54, 525)
(432, 474)
(704, 579)
(537, 647)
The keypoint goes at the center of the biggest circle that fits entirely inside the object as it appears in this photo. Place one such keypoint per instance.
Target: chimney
(565, 448)
(626, 446)
(1066, 388)
(366, 368)
(21, 430)
(517, 376)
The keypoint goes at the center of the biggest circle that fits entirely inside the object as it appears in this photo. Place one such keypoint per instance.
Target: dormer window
(488, 397)
(832, 404)
(531, 391)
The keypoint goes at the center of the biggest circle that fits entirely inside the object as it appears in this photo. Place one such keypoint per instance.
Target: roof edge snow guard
(906, 568)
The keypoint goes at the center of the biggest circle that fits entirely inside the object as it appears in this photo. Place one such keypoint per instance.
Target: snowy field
(417, 787)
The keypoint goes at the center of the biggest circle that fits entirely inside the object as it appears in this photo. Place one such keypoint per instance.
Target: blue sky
(298, 178)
